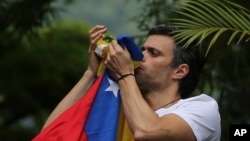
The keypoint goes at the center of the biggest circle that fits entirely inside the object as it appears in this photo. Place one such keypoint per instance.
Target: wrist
(90, 73)
(124, 76)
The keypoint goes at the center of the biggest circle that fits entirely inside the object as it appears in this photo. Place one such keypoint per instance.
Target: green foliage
(226, 78)
(39, 71)
(154, 12)
(211, 18)
(25, 15)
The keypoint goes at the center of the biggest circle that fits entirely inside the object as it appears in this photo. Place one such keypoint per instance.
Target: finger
(97, 32)
(95, 38)
(115, 46)
(95, 28)
(107, 60)
(125, 49)
(93, 42)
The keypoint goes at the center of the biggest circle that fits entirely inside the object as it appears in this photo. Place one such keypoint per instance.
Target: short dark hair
(191, 55)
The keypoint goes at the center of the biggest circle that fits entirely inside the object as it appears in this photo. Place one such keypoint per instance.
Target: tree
(39, 73)
(37, 65)
(24, 16)
(222, 29)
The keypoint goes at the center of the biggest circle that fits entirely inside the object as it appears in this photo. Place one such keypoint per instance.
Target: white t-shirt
(202, 115)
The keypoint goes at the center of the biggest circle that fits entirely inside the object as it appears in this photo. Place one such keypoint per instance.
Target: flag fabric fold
(102, 122)
(69, 125)
(98, 116)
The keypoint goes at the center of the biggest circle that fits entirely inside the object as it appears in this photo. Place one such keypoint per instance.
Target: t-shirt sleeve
(202, 116)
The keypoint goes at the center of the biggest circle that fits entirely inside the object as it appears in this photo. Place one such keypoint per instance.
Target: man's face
(155, 71)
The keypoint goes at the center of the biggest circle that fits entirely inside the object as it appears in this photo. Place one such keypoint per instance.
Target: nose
(144, 55)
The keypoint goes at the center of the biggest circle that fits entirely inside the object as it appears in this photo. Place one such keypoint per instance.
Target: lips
(139, 69)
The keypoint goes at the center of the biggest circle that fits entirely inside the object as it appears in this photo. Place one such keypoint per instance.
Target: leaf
(203, 18)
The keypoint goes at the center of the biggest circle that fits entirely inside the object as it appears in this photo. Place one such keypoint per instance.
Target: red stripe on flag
(69, 126)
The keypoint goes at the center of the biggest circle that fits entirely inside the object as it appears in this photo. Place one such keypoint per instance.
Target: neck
(168, 104)
(160, 99)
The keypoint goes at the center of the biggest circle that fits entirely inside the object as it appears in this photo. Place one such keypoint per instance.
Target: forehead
(160, 42)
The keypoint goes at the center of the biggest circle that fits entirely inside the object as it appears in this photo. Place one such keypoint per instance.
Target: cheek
(163, 73)
(157, 74)
(159, 67)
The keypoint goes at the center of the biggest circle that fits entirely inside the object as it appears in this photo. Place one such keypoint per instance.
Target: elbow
(141, 135)
(151, 134)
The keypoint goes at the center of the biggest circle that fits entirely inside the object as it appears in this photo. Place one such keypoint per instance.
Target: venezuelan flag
(98, 116)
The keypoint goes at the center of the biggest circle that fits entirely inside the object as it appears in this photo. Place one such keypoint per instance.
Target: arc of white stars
(113, 87)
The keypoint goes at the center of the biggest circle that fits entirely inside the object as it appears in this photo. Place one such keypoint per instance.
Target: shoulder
(202, 106)
(200, 100)
(197, 104)
(201, 113)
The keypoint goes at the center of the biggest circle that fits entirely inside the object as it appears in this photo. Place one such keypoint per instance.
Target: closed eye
(153, 52)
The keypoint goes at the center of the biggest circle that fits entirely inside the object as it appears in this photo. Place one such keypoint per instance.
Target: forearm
(138, 113)
(74, 95)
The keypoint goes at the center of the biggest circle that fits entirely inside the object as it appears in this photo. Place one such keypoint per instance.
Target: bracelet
(124, 75)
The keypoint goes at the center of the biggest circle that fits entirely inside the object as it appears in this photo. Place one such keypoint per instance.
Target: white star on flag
(113, 87)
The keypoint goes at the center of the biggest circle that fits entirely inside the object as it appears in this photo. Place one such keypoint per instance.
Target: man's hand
(118, 61)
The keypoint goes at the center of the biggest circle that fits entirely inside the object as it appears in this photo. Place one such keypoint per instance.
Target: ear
(181, 71)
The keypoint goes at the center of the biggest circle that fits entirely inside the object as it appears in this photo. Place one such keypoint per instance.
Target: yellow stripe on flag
(123, 133)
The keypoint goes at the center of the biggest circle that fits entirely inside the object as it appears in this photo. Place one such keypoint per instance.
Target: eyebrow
(148, 47)
(151, 49)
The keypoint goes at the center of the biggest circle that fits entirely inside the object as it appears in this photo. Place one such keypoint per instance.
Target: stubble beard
(142, 82)
(146, 80)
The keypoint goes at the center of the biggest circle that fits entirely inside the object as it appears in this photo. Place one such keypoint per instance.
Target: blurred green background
(43, 53)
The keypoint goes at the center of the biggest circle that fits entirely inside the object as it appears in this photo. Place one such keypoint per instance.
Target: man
(154, 96)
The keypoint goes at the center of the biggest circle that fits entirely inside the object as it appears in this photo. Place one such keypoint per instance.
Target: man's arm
(144, 123)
